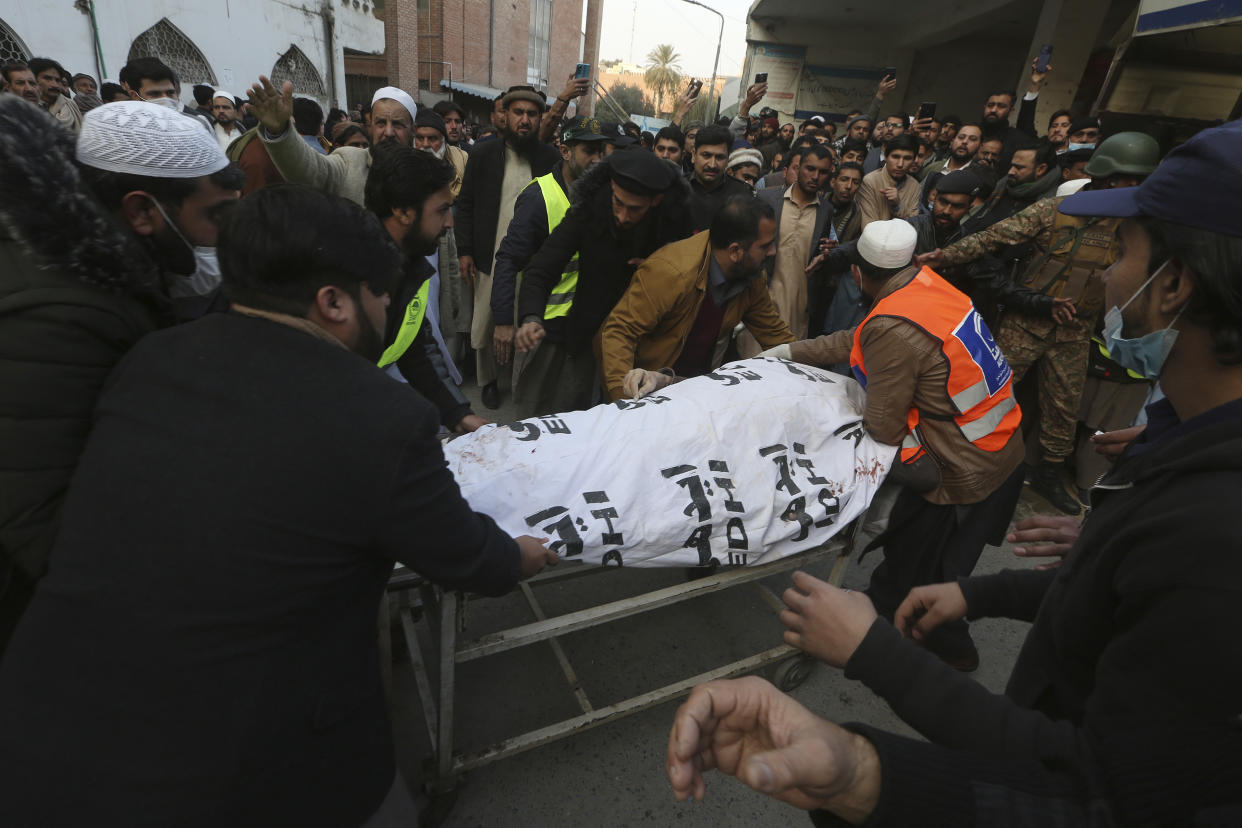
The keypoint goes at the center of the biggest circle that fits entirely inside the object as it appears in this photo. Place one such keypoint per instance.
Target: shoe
(491, 396)
(1046, 481)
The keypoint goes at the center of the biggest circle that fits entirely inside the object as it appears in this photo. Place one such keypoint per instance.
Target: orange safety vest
(980, 383)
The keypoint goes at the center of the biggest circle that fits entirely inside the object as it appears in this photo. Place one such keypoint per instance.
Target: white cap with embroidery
(141, 138)
(392, 93)
(888, 244)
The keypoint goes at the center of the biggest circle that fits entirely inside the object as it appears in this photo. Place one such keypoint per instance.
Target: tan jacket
(343, 172)
(649, 326)
(906, 368)
(66, 113)
(873, 206)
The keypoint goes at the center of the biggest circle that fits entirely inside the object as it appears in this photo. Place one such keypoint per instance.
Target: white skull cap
(392, 93)
(220, 93)
(888, 244)
(142, 138)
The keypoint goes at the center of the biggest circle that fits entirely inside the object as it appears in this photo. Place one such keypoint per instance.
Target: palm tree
(663, 73)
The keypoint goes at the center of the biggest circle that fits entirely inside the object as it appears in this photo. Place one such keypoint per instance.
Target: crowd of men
(232, 332)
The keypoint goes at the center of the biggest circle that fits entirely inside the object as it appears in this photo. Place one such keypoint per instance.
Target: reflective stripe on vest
(980, 380)
(561, 299)
(410, 323)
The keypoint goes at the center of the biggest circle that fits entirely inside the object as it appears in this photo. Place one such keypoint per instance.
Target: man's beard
(524, 144)
(993, 120)
(414, 245)
(370, 344)
(961, 155)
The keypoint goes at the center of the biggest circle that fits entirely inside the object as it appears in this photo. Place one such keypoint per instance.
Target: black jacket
(704, 201)
(415, 364)
(76, 292)
(527, 232)
(604, 255)
(1128, 688)
(478, 204)
(202, 651)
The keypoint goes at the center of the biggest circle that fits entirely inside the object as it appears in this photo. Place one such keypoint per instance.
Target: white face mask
(167, 103)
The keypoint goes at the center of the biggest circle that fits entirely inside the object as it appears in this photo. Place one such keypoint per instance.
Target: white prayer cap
(887, 244)
(142, 138)
(1071, 187)
(220, 93)
(395, 94)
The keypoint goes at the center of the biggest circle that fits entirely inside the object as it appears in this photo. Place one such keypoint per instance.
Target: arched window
(11, 46)
(295, 66)
(166, 42)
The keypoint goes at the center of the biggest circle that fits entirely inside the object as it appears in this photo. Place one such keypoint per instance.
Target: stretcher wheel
(791, 672)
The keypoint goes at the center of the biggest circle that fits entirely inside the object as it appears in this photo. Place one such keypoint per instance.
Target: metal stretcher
(446, 614)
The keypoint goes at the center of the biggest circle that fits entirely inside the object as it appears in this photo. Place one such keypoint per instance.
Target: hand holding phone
(583, 70)
(761, 77)
(1045, 57)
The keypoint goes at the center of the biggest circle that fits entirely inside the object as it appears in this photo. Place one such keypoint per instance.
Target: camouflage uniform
(1070, 257)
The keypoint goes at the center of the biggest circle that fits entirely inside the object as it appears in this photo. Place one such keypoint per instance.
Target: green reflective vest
(557, 204)
(413, 320)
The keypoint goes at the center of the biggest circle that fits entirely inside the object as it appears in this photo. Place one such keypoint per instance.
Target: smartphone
(890, 72)
(1045, 57)
(583, 70)
(927, 109)
(761, 77)
(693, 89)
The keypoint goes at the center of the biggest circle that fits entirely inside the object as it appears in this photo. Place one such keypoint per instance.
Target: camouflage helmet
(1126, 153)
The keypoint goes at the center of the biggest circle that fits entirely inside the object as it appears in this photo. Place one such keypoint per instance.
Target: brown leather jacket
(906, 368)
(649, 325)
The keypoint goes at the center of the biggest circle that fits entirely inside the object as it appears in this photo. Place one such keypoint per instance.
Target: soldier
(1069, 260)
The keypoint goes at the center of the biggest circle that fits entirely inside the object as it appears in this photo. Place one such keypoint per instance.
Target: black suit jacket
(478, 204)
(202, 651)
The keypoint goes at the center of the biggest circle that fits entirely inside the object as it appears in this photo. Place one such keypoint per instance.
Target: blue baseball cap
(1197, 184)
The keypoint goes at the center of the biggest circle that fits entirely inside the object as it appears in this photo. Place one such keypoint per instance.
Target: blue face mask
(1073, 146)
(1146, 354)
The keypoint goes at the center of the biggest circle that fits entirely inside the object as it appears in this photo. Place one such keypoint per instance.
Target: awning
(1156, 16)
(487, 93)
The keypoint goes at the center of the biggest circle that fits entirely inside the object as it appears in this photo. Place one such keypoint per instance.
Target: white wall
(240, 39)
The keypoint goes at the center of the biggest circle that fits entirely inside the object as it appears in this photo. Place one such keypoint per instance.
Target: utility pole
(711, 93)
(633, 26)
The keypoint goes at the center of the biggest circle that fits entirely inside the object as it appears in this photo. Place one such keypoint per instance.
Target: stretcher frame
(446, 612)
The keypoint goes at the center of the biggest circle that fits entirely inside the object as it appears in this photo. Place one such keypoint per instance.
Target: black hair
(1010, 93)
(307, 116)
(920, 142)
(11, 67)
(737, 220)
(109, 91)
(712, 136)
(203, 94)
(801, 142)
(404, 177)
(110, 187)
(444, 107)
(851, 165)
(974, 124)
(988, 177)
(956, 120)
(1058, 114)
(819, 151)
(39, 65)
(1044, 153)
(348, 132)
(648, 140)
(283, 243)
(904, 117)
(631, 129)
(673, 133)
(1215, 259)
(149, 68)
(854, 145)
(904, 141)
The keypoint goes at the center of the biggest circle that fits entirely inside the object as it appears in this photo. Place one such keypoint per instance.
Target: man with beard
(677, 316)
(622, 210)
(1033, 175)
(1068, 261)
(943, 139)
(1058, 130)
(996, 112)
(431, 134)
(496, 174)
(990, 151)
(223, 109)
(95, 236)
(538, 211)
(410, 192)
(20, 81)
(249, 482)
(802, 218)
(961, 154)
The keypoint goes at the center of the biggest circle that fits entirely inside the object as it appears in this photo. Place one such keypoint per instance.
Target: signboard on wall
(784, 67)
(834, 90)
(1156, 16)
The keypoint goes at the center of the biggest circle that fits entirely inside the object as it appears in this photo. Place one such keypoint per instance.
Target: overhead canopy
(1157, 16)
(487, 93)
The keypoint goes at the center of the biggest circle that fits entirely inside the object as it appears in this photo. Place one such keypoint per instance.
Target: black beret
(640, 172)
(962, 182)
(1084, 122)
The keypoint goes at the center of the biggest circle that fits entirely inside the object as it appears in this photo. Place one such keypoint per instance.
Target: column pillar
(401, 44)
(590, 52)
(1072, 29)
